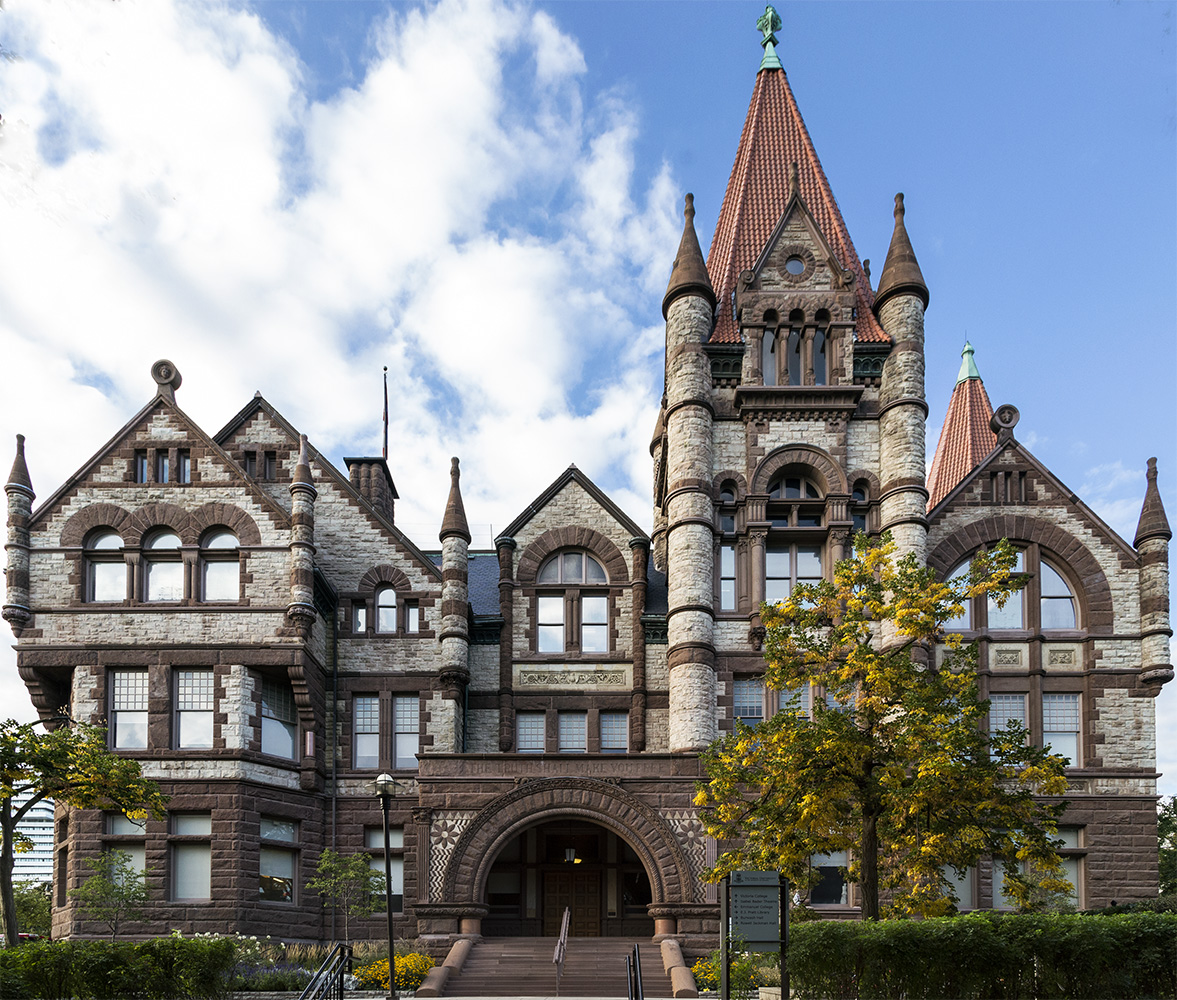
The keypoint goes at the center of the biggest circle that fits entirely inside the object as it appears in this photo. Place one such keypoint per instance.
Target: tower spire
(966, 437)
(901, 271)
(454, 522)
(1153, 522)
(769, 22)
(689, 273)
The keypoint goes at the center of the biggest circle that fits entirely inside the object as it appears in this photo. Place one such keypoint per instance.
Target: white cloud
(170, 188)
(1115, 493)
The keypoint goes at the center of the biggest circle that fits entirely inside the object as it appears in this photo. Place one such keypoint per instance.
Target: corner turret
(300, 612)
(1152, 542)
(689, 275)
(19, 490)
(454, 633)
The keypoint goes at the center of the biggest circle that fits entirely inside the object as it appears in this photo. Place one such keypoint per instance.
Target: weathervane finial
(769, 22)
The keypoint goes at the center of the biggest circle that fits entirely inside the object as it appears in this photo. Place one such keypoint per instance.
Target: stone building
(254, 628)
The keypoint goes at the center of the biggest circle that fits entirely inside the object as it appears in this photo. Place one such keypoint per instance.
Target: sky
(486, 198)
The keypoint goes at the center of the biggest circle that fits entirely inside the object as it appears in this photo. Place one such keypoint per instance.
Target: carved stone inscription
(573, 677)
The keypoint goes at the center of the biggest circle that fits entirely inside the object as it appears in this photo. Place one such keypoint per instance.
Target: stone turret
(689, 306)
(899, 304)
(454, 633)
(1152, 542)
(301, 609)
(19, 490)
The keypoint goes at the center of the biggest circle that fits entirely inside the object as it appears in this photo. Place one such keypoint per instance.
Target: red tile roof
(965, 439)
(774, 137)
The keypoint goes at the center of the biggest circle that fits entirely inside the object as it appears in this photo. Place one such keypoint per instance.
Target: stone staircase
(522, 967)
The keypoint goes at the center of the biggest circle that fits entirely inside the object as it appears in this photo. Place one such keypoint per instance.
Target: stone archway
(601, 802)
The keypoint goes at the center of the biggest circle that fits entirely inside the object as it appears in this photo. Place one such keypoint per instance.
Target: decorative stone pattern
(445, 830)
(237, 704)
(688, 828)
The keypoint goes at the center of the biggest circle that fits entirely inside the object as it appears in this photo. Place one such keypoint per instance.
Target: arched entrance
(570, 863)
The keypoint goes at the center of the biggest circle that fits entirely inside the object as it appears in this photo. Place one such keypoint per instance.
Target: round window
(795, 265)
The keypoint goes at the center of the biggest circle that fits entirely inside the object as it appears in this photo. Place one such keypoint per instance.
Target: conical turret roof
(1153, 523)
(689, 274)
(774, 137)
(19, 476)
(966, 437)
(454, 522)
(901, 271)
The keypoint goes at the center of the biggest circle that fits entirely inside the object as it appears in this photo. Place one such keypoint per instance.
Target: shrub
(411, 970)
(281, 977)
(744, 973)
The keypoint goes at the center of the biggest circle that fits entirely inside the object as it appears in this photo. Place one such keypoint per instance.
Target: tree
(115, 892)
(69, 764)
(1167, 844)
(895, 764)
(348, 882)
(34, 907)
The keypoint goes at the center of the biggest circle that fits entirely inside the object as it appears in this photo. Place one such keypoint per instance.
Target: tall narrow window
(277, 864)
(819, 357)
(271, 465)
(859, 507)
(106, 572)
(406, 714)
(279, 720)
(191, 856)
(162, 467)
(374, 842)
(831, 887)
(366, 712)
(412, 616)
(1060, 725)
(194, 709)
(386, 610)
(1009, 616)
(768, 357)
(1058, 603)
(794, 357)
(594, 626)
(614, 732)
(140, 468)
(573, 732)
(184, 466)
(748, 700)
(129, 709)
(964, 621)
(164, 571)
(359, 617)
(529, 732)
(249, 463)
(727, 577)
(220, 566)
(550, 624)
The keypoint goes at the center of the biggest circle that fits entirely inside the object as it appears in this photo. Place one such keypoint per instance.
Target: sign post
(753, 909)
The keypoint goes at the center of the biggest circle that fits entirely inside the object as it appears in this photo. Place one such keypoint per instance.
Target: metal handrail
(328, 981)
(633, 975)
(561, 947)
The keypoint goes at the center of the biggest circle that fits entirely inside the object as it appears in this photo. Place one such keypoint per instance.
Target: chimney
(373, 481)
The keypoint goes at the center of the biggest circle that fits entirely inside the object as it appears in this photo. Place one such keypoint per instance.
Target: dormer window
(106, 572)
(164, 573)
(574, 619)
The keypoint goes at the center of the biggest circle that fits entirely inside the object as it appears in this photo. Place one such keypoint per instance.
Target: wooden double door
(580, 891)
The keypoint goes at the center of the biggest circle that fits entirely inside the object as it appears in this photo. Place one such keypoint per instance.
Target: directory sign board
(756, 910)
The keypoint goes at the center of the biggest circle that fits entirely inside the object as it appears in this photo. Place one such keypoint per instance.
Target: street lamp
(384, 789)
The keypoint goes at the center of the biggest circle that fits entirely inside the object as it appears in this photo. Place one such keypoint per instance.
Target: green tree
(348, 882)
(900, 770)
(115, 892)
(71, 765)
(1167, 844)
(33, 906)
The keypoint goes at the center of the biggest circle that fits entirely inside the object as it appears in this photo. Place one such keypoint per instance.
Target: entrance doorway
(568, 863)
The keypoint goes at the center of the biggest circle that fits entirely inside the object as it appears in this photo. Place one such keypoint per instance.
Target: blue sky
(486, 198)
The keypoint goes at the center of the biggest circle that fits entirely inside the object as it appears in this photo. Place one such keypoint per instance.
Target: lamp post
(384, 789)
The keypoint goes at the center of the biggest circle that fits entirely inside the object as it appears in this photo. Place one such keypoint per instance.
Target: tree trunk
(869, 865)
(7, 863)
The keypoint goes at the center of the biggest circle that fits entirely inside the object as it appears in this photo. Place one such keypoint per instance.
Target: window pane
(1058, 612)
(794, 357)
(748, 699)
(961, 883)
(614, 732)
(550, 615)
(196, 730)
(572, 732)
(220, 540)
(831, 888)
(1008, 617)
(965, 621)
(108, 581)
(374, 839)
(106, 542)
(192, 874)
(808, 563)
(165, 581)
(594, 572)
(1060, 725)
(406, 717)
(184, 467)
(412, 617)
(529, 732)
(194, 690)
(366, 713)
(727, 595)
(276, 828)
(551, 639)
(120, 823)
(192, 824)
(1006, 707)
(573, 567)
(278, 738)
(768, 357)
(386, 610)
(137, 854)
(161, 467)
(276, 875)
(594, 639)
(164, 540)
(595, 610)
(367, 747)
(277, 701)
(819, 357)
(776, 590)
(550, 572)
(359, 618)
(406, 750)
(129, 708)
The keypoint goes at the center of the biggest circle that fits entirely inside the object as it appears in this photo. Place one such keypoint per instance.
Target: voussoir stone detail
(572, 537)
(829, 472)
(379, 576)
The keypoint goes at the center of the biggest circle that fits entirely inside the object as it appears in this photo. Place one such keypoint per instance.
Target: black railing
(328, 981)
(561, 947)
(633, 974)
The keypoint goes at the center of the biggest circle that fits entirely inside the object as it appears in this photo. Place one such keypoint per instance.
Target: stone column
(300, 612)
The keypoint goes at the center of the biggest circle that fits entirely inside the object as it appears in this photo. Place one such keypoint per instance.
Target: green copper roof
(769, 22)
(968, 368)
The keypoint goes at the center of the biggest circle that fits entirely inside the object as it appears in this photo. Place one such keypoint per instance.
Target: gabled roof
(1011, 443)
(966, 438)
(259, 404)
(572, 474)
(161, 402)
(775, 137)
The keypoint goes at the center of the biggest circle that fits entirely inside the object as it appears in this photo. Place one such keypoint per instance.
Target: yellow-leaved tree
(894, 763)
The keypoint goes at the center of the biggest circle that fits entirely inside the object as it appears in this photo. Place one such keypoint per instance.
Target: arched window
(793, 356)
(1051, 604)
(1011, 615)
(860, 504)
(106, 572)
(220, 566)
(819, 357)
(164, 573)
(1057, 601)
(386, 610)
(769, 352)
(576, 618)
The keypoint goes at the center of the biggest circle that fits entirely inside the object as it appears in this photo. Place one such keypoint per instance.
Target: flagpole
(386, 413)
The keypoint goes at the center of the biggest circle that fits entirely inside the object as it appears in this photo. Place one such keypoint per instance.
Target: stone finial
(968, 367)
(769, 22)
(1005, 418)
(1153, 522)
(167, 378)
(302, 471)
(901, 271)
(689, 275)
(18, 478)
(454, 522)
(794, 180)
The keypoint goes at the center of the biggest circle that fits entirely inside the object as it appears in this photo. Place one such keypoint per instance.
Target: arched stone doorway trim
(543, 799)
